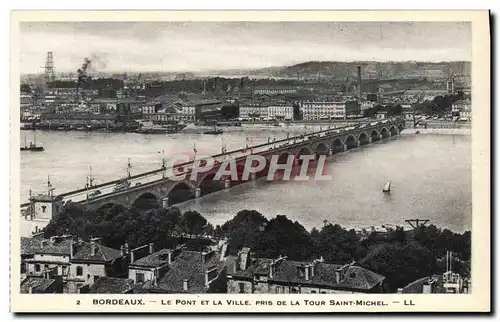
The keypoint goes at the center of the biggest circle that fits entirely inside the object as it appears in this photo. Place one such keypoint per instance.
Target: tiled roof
(188, 265)
(153, 260)
(102, 253)
(355, 277)
(111, 285)
(38, 285)
(34, 245)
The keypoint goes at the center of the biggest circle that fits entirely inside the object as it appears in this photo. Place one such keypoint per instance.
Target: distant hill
(370, 69)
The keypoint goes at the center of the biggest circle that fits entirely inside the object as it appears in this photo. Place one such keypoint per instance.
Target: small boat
(418, 132)
(387, 187)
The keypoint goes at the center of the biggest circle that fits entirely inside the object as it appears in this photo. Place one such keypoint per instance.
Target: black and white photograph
(246, 157)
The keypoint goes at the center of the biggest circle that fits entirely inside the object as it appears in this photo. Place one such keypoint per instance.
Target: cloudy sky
(197, 46)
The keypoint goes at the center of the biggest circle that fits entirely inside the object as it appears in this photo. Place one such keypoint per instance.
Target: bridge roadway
(156, 184)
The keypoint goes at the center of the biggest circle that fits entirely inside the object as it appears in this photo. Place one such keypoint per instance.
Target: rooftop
(188, 265)
(155, 259)
(111, 285)
(36, 284)
(44, 246)
(102, 253)
(354, 277)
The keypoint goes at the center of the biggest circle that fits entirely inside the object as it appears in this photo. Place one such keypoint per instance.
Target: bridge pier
(227, 184)
(370, 140)
(164, 203)
(197, 193)
(381, 136)
(345, 147)
(358, 144)
(330, 151)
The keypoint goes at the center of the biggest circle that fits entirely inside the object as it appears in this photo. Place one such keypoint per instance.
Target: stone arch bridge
(166, 191)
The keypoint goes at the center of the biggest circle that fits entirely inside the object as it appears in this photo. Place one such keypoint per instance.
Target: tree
(400, 264)
(335, 244)
(193, 223)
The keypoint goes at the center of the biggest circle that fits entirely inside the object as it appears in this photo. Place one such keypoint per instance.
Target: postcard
(250, 161)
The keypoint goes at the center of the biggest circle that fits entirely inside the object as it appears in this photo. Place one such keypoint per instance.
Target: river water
(430, 174)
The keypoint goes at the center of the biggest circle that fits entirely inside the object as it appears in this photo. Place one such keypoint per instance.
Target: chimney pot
(93, 249)
(151, 248)
(132, 257)
(185, 285)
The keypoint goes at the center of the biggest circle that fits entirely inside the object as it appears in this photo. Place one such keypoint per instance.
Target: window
(242, 287)
(139, 277)
(46, 266)
(43, 208)
(37, 267)
(79, 271)
(294, 290)
(313, 292)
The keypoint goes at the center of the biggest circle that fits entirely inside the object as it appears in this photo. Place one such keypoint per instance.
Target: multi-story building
(246, 274)
(91, 260)
(315, 110)
(183, 271)
(280, 111)
(253, 110)
(274, 90)
(44, 255)
(462, 109)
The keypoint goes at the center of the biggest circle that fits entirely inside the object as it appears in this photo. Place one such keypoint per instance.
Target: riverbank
(441, 131)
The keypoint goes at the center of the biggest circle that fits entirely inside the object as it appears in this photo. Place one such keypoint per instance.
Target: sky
(202, 46)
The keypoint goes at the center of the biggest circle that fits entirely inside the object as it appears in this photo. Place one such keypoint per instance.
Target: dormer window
(301, 272)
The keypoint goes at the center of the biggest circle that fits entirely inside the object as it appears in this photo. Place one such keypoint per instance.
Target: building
(448, 282)
(280, 112)
(317, 110)
(91, 260)
(111, 285)
(150, 266)
(49, 256)
(188, 272)
(462, 109)
(252, 110)
(36, 285)
(381, 115)
(274, 90)
(209, 111)
(246, 274)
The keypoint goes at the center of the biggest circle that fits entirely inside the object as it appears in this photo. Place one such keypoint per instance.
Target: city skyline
(206, 46)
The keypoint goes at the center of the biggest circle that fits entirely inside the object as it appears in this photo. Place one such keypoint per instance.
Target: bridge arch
(209, 184)
(351, 142)
(180, 192)
(337, 146)
(321, 148)
(393, 130)
(375, 135)
(305, 150)
(401, 127)
(363, 138)
(385, 132)
(146, 201)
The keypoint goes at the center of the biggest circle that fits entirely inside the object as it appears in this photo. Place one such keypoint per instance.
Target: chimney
(73, 249)
(185, 285)
(95, 240)
(132, 256)
(151, 248)
(306, 274)
(338, 275)
(122, 250)
(93, 247)
(359, 83)
(30, 290)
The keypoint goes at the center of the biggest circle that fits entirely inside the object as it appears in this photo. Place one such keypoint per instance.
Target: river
(430, 174)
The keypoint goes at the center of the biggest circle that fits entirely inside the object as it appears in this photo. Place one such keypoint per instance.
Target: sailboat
(32, 146)
(387, 187)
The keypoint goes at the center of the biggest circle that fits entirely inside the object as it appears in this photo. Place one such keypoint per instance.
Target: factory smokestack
(82, 72)
(359, 83)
